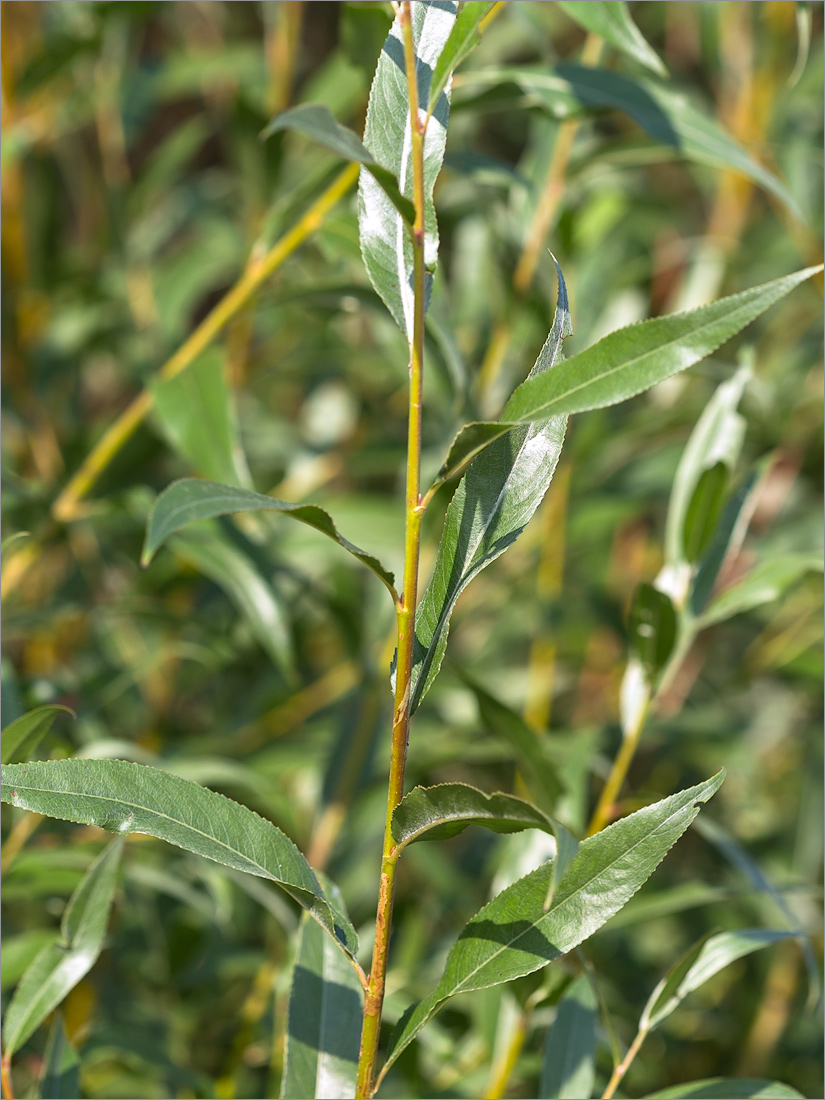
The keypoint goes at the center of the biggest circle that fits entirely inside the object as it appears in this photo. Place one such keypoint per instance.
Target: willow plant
(500, 471)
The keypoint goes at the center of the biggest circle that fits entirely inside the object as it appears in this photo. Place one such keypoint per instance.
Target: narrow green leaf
(326, 1005)
(316, 122)
(717, 436)
(767, 581)
(134, 798)
(463, 37)
(612, 22)
(19, 951)
(704, 510)
(492, 505)
(385, 243)
(20, 738)
(61, 1065)
(514, 935)
(10, 540)
(437, 813)
(568, 1062)
(196, 410)
(706, 958)
(652, 628)
(60, 966)
(190, 499)
(728, 1088)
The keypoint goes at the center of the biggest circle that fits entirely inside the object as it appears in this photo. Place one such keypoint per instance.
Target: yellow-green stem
(374, 999)
(67, 506)
(603, 814)
(5, 1078)
(623, 1066)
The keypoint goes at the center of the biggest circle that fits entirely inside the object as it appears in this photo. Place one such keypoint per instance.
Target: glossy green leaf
(20, 738)
(385, 242)
(704, 510)
(767, 581)
(612, 22)
(706, 958)
(316, 122)
(60, 966)
(437, 813)
(326, 1005)
(717, 437)
(190, 499)
(463, 37)
(728, 1088)
(134, 798)
(652, 628)
(492, 505)
(568, 1061)
(196, 410)
(514, 935)
(61, 1065)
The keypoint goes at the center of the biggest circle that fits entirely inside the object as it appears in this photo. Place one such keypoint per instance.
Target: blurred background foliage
(253, 657)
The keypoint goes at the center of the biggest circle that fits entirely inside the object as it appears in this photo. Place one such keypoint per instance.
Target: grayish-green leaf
(717, 437)
(190, 499)
(463, 37)
(514, 935)
(492, 505)
(385, 242)
(568, 1062)
(61, 1065)
(21, 737)
(704, 510)
(316, 122)
(728, 1088)
(652, 628)
(196, 410)
(612, 22)
(767, 581)
(134, 798)
(60, 966)
(326, 1005)
(704, 960)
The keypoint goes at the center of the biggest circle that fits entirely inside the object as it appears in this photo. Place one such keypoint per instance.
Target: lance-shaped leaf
(627, 362)
(463, 37)
(729, 1088)
(514, 935)
(706, 958)
(652, 628)
(60, 966)
(385, 242)
(61, 1065)
(135, 798)
(21, 737)
(326, 1003)
(612, 22)
(767, 581)
(568, 1063)
(316, 122)
(191, 499)
(491, 507)
(704, 510)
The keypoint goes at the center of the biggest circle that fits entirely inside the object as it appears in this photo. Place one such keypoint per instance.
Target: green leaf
(60, 966)
(196, 410)
(19, 951)
(728, 1088)
(514, 935)
(134, 798)
(767, 581)
(704, 510)
(568, 1062)
(326, 1004)
(316, 122)
(492, 505)
(652, 628)
(612, 22)
(717, 436)
(437, 813)
(61, 1065)
(21, 737)
(190, 499)
(463, 37)
(385, 243)
(706, 958)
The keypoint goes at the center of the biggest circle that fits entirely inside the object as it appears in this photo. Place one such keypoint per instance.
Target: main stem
(374, 998)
